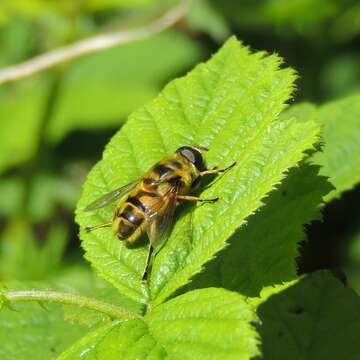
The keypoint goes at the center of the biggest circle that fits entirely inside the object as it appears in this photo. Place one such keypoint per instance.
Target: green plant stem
(115, 312)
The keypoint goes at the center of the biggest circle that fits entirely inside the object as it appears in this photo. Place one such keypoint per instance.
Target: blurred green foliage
(54, 125)
(100, 90)
(21, 115)
(296, 17)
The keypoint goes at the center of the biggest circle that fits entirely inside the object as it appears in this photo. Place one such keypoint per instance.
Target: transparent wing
(111, 196)
(161, 221)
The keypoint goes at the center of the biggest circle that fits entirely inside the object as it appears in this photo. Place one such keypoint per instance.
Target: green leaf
(23, 325)
(86, 347)
(203, 324)
(3, 299)
(81, 280)
(102, 89)
(15, 41)
(313, 319)
(41, 199)
(340, 158)
(12, 191)
(49, 191)
(21, 255)
(31, 332)
(229, 104)
(302, 112)
(300, 17)
(340, 76)
(203, 16)
(109, 4)
(21, 108)
(85, 299)
(268, 291)
(350, 259)
(263, 252)
(346, 26)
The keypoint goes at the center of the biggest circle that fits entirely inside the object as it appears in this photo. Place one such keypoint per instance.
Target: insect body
(150, 206)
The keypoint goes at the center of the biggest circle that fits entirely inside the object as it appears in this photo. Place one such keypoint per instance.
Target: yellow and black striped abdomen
(128, 222)
(131, 216)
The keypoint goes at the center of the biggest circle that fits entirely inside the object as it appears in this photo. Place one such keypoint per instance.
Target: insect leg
(217, 171)
(147, 264)
(195, 198)
(91, 228)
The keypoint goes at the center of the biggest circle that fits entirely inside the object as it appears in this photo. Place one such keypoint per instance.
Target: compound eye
(188, 154)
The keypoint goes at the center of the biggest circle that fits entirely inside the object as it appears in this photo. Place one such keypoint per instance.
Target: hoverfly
(150, 206)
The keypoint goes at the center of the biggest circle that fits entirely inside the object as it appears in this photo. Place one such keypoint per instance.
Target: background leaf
(341, 76)
(294, 16)
(263, 252)
(230, 103)
(202, 16)
(81, 280)
(340, 158)
(34, 332)
(24, 258)
(101, 90)
(340, 129)
(21, 111)
(11, 194)
(24, 325)
(209, 323)
(306, 321)
(350, 258)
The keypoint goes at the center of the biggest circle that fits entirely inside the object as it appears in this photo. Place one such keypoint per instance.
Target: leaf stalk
(113, 311)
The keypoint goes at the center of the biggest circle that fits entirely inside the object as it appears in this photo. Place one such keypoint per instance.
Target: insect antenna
(92, 228)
